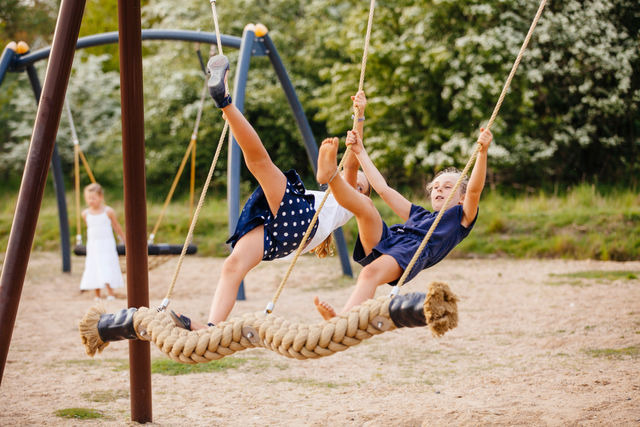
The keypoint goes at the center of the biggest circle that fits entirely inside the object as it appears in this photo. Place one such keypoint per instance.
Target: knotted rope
(437, 309)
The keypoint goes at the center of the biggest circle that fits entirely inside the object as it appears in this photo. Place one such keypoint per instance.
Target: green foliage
(79, 413)
(169, 367)
(27, 21)
(434, 73)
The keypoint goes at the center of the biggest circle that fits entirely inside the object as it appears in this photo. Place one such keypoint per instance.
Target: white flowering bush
(434, 72)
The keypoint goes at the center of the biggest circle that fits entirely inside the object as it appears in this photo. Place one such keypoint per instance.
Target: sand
(533, 347)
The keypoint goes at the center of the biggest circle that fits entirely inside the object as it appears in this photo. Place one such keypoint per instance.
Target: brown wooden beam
(36, 168)
(135, 196)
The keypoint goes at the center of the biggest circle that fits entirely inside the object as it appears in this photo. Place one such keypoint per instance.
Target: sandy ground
(531, 348)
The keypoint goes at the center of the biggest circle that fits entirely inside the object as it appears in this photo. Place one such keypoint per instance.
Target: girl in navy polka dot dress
(385, 252)
(277, 215)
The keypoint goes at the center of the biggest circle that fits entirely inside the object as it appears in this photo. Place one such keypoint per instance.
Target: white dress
(101, 265)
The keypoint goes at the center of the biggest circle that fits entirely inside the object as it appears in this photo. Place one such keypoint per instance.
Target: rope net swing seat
(436, 309)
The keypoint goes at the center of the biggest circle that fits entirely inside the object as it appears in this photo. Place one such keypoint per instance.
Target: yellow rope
(475, 152)
(190, 150)
(86, 166)
(301, 247)
(76, 172)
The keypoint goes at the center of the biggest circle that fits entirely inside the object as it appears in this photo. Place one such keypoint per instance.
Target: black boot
(218, 66)
(117, 326)
(180, 320)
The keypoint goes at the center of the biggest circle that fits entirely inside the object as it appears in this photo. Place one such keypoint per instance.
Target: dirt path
(533, 347)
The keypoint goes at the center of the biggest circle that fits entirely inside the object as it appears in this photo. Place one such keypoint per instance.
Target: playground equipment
(255, 42)
(42, 147)
(135, 212)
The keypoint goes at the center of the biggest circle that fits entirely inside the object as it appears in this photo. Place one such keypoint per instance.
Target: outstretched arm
(396, 201)
(351, 164)
(477, 179)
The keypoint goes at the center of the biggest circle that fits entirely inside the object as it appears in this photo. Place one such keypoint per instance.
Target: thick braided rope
(294, 340)
(464, 172)
(302, 245)
(203, 194)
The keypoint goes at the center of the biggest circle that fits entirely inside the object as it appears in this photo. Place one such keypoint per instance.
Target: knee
(234, 264)
(371, 275)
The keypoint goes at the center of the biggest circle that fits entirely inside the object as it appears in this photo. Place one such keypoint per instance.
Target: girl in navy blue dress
(385, 252)
(277, 215)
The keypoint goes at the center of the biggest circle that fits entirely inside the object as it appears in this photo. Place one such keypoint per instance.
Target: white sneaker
(96, 299)
(111, 298)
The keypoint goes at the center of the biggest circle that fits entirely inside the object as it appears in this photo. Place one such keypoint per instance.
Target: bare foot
(327, 164)
(325, 310)
(197, 325)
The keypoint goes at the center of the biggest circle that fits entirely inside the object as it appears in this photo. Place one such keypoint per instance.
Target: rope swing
(437, 309)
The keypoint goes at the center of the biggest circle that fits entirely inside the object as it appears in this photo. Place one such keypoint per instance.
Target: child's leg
(246, 254)
(367, 216)
(270, 177)
(382, 270)
(109, 290)
(97, 292)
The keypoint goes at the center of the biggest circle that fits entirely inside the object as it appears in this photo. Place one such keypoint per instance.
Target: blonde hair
(94, 188)
(325, 248)
(451, 169)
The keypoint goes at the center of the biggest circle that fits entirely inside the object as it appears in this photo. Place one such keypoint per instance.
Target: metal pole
(6, 60)
(35, 173)
(307, 135)
(235, 154)
(135, 198)
(112, 37)
(58, 182)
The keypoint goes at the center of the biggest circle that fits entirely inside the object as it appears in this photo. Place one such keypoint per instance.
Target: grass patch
(117, 365)
(79, 413)
(169, 367)
(602, 275)
(583, 223)
(104, 396)
(309, 382)
(615, 353)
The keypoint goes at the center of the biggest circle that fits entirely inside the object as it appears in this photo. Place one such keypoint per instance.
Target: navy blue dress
(401, 241)
(284, 231)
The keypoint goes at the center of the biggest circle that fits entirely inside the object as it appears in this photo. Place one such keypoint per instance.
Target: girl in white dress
(101, 267)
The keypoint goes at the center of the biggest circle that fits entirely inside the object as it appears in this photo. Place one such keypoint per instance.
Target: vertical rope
(76, 171)
(477, 148)
(215, 24)
(196, 214)
(302, 245)
(203, 194)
